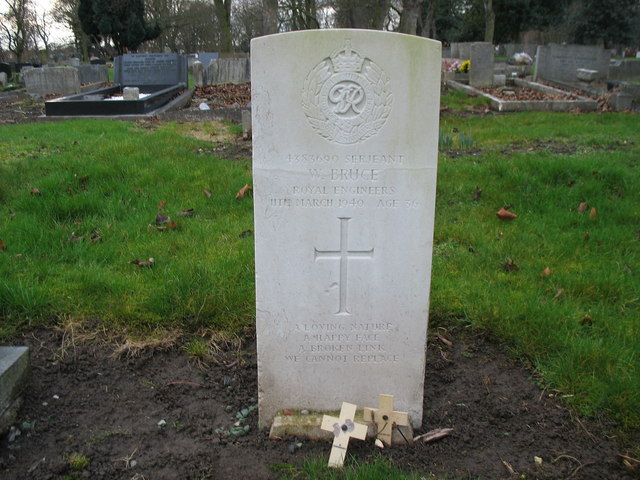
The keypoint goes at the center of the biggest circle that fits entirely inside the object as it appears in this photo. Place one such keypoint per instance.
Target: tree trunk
(369, 14)
(270, 17)
(489, 21)
(223, 15)
(427, 21)
(409, 16)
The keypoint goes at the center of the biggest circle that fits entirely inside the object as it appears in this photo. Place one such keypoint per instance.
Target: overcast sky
(59, 33)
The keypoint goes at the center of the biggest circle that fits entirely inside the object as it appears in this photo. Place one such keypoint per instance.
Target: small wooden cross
(386, 418)
(343, 429)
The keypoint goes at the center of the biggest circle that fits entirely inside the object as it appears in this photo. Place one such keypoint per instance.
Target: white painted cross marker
(343, 429)
(386, 418)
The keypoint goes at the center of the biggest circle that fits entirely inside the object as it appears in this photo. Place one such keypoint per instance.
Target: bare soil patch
(86, 401)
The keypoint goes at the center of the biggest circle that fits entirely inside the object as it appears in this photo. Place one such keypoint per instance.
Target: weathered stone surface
(345, 155)
(54, 80)
(131, 93)
(560, 62)
(228, 70)
(14, 372)
(481, 72)
(198, 73)
(93, 73)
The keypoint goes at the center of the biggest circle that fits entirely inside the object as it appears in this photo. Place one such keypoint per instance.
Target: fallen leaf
(546, 272)
(582, 207)
(172, 226)
(538, 460)
(504, 214)
(288, 412)
(586, 320)
(509, 265)
(207, 193)
(477, 194)
(144, 263)
(559, 292)
(161, 205)
(593, 213)
(2, 245)
(379, 443)
(162, 219)
(246, 233)
(73, 238)
(187, 213)
(571, 183)
(96, 235)
(35, 192)
(586, 236)
(243, 191)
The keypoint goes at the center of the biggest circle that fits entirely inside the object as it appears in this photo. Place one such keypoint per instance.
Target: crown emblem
(346, 60)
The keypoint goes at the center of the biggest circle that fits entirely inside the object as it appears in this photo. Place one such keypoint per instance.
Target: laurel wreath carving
(340, 131)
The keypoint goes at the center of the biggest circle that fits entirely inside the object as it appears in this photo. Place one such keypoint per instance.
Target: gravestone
(561, 62)
(228, 70)
(3, 79)
(54, 80)
(344, 170)
(93, 73)
(481, 71)
(6, 68)
(207, 57)
(198, 73)
(144, 69)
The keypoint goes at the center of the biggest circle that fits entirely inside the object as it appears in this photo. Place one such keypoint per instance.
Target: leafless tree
(409, 16)
(42, 24)
(17, 27)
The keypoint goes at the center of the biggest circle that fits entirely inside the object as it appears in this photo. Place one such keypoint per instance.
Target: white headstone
(344, 170)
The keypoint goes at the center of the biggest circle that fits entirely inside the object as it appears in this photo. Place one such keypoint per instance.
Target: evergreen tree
(123, 21)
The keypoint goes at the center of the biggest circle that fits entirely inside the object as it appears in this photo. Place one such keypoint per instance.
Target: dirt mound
(160, 416)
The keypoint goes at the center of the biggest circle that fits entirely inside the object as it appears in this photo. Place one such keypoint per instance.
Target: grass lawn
(79, 201)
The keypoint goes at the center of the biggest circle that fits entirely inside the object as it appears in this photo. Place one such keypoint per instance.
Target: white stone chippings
(345, 157)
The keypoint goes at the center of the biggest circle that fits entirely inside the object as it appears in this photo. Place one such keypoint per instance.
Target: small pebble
(252, 400)
(44, 404)
(56, 397)
(292, 447)
(162, 423)
(133, 463)
(304, 412)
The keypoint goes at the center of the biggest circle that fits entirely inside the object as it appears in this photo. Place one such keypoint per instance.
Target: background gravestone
(207, 57)
(140, 69)
(93, 73)
(228, 70)
(560, 62)
(344, 168)
(51, 80)
(481, 71)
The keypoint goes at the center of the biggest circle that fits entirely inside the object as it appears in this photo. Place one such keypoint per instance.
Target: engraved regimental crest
(346, 97)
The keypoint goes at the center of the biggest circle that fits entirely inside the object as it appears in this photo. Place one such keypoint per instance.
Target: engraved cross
(344, 255)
